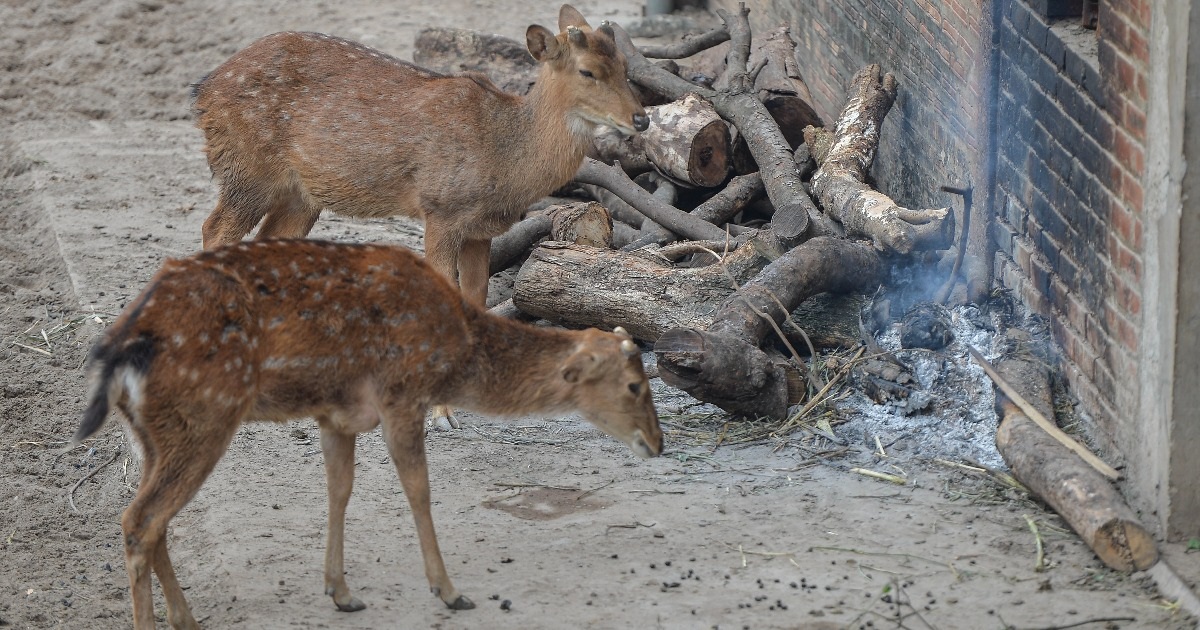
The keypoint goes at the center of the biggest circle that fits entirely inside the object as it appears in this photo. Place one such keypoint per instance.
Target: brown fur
(352, 335)
(298, 122)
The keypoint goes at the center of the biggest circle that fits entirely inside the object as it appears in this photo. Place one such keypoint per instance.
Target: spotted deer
(355, 336)
(298, 122)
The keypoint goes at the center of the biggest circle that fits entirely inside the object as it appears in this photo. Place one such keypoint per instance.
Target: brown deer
(355, 336)
(297, 122)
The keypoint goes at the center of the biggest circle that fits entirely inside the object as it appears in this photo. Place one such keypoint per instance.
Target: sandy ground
(101, 178)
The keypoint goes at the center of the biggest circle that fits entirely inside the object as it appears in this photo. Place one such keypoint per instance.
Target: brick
(1133, 119)
(1055, 50)
(1120, 219)
(1131, 192)
(1002, 236)
(1128, 152)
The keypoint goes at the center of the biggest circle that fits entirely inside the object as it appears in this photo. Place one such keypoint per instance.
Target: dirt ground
(544, 522)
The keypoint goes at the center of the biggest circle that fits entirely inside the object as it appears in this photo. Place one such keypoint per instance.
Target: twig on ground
(71, 494)
(1040, 564)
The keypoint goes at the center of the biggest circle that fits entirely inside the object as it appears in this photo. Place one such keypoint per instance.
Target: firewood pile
(711, 233)
(705, 232)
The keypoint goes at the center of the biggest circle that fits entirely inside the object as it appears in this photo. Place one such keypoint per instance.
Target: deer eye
(636, 388)
(587, 73)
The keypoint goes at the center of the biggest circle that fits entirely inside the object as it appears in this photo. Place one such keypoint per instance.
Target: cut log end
(1124, 545)
(708, 162)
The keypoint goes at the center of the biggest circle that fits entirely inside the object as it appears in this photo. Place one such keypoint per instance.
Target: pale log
(771, 151)
(1080, 494)
(688, 142)
(839, 183)
(584, 286)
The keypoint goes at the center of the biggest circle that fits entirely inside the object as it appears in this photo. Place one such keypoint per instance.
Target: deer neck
(558, 136)
(513, 368)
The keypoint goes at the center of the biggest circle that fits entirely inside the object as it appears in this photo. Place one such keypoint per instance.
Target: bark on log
(724, 365)
(583, 286)
(688, 142)
(587, 223)
(1076, 491)
(451, 50)
(771, 151)
(781, 87)
(839, 182)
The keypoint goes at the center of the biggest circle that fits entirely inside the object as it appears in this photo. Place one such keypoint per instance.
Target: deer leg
(291, 218)
(171, 480)
(406, 443)
(338, 449)
(442, 253)
(178, 613)
(235, 215)
(473, 270)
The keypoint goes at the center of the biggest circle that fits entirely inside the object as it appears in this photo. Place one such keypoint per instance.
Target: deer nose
(641, 122)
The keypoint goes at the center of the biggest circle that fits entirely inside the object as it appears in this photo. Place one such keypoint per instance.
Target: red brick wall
(1068, 198)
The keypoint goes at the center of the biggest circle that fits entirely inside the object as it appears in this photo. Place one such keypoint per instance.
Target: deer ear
(570, 16)
(580, 367)
(542, 44)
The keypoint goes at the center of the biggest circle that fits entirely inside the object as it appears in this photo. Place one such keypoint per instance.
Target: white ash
(959, 422)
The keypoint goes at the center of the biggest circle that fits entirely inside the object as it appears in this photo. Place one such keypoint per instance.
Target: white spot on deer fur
(228, 75)
(178, 340)
(194, 375)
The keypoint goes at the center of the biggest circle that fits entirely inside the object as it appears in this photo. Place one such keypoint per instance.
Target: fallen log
(724, 364)
(576, 285)
(781, 87)
(452, 50)
(839, 183)
(1072, 488)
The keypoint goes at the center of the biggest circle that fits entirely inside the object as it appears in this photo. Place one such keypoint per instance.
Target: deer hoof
(462, 603)
(354, 604)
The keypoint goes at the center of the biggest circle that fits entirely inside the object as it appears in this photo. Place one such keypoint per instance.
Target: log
(615, 180)
(585, 223)
(575, 285)
(1080, 494)
(717, 210)
(613, 147)
(839, 183)
(771, 151)
(688, 46)
(724, 364)
(511, 246)
(688, 142)
(452, 50)
(781, 87)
